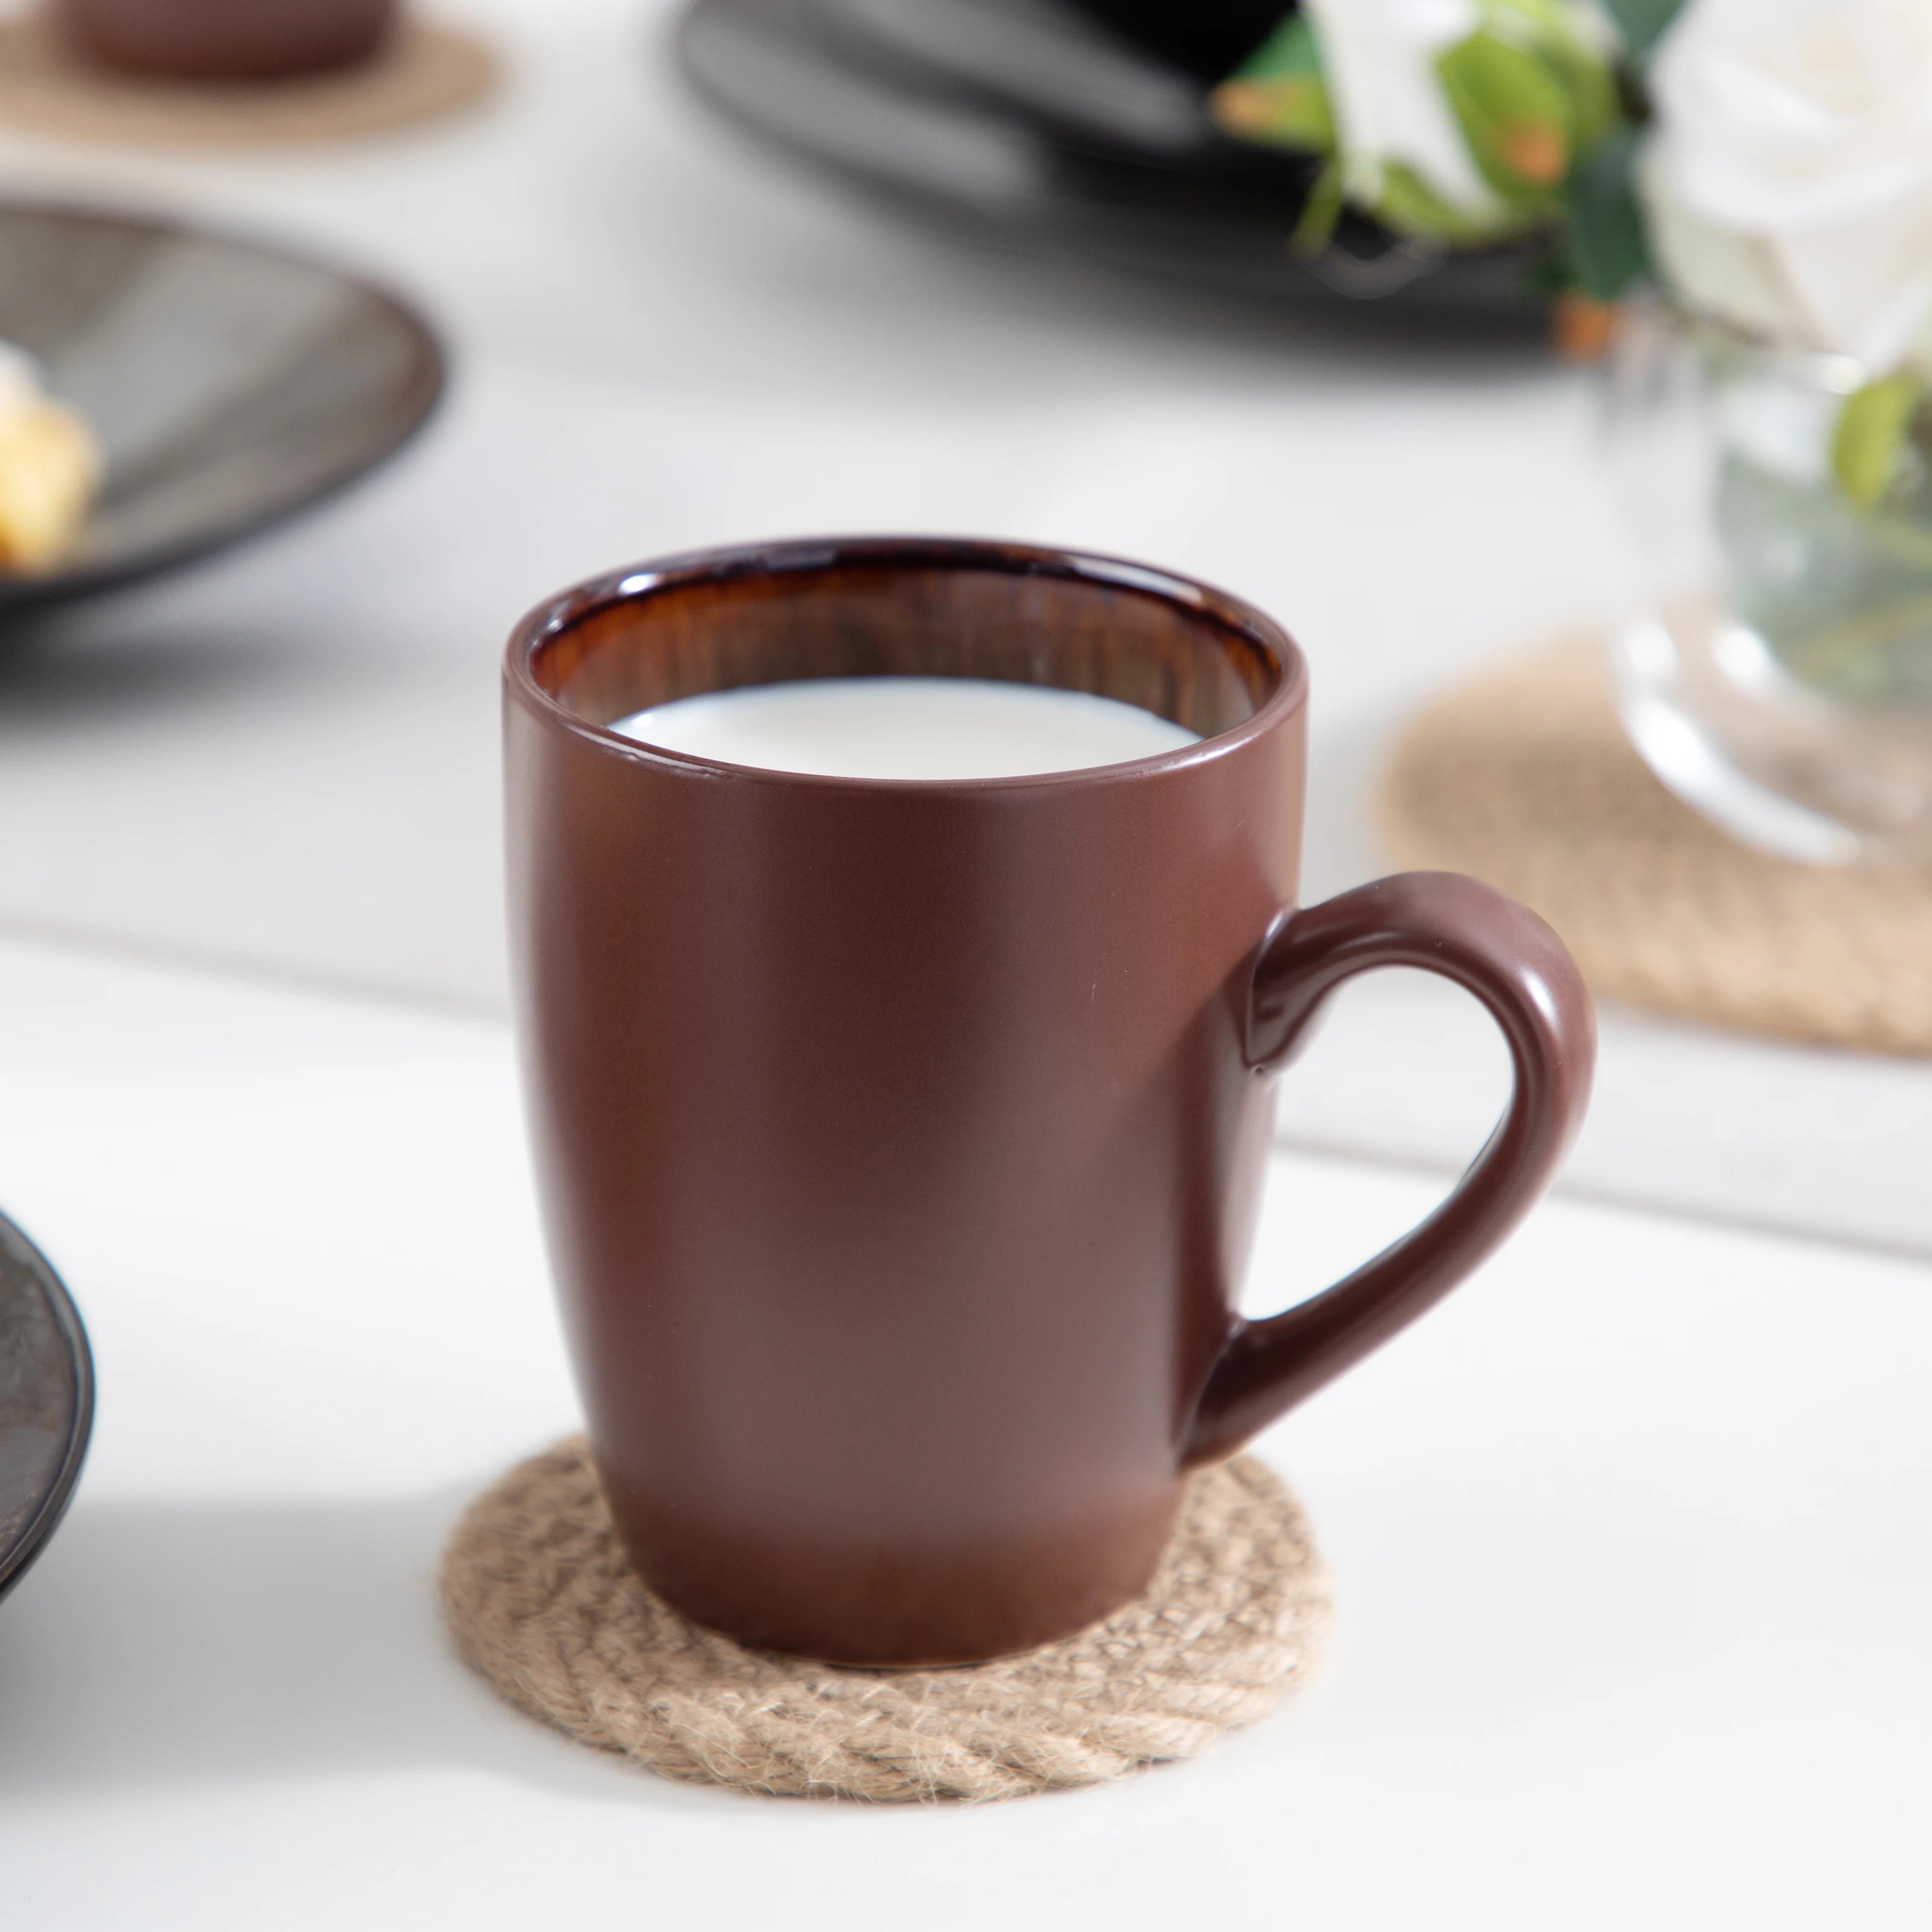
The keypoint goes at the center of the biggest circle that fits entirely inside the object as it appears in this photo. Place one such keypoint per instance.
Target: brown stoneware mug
(899, 1142)
(225, 40)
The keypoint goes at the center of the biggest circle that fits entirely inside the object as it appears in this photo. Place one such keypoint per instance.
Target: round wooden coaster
(420, 73)
(1524, 777)
(541, 1601)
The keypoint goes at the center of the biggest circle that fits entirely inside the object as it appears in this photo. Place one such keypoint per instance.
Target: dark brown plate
(231, 384)
(1031, 128)
(47, 1401)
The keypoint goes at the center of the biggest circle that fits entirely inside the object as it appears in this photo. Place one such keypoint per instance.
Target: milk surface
(907, 727)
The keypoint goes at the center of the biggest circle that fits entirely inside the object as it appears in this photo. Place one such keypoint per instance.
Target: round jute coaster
(1523, 776)
(540, 1601)
(421, 73)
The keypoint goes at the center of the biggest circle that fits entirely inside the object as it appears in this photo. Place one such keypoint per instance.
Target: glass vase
(1776, 673)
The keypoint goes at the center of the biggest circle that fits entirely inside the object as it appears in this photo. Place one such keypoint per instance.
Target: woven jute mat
(1524, 777)
(540, 1601)
(421, 73)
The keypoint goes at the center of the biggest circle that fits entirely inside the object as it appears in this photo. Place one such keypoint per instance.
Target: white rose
(1378, 57)
(1790, 182)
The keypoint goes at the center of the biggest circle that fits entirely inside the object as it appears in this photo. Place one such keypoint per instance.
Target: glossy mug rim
(803, 557)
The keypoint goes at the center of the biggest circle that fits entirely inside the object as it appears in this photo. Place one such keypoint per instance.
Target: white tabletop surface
(1634, 1591)
(665, 336)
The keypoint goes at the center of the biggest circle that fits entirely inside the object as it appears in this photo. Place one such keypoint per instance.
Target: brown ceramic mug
(899, 1142)
(225, 40)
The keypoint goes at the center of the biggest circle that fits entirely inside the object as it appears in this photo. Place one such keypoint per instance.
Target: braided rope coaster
(541, 1602)
(1523, 776)
(421, 73)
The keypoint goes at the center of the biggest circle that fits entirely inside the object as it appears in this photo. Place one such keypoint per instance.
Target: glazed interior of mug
(882, 610)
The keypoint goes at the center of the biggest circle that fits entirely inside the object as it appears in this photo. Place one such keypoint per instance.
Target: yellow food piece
(49, 469)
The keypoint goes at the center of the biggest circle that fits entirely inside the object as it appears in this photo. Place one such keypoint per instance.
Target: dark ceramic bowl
(225, 40)
(47, 1401)
(1029, 126)
(230, 385)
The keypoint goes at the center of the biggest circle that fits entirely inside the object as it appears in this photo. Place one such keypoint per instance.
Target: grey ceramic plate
(47, 1401)
(231, 384)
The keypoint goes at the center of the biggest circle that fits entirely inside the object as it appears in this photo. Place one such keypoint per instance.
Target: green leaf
(1588, 83)
(1870, 436)
(1609, 250)
(1409, 206)
(1279, 95)
(1513, 114)
(1291, 49)
(1642, 23)
(1319, 213)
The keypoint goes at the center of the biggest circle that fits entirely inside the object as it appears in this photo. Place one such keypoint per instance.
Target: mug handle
(1510, 960)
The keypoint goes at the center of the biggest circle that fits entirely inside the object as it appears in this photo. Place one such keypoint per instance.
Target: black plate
(47, 1401)
(1074, 162)
(231, 384)
(1060, 70)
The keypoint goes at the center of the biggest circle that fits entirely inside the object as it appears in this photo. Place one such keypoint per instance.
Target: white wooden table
(1634, 1585)
(287, 761)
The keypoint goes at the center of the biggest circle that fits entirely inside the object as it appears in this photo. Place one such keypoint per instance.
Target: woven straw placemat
(540, 1601)
(1523, 776)
(421, 73)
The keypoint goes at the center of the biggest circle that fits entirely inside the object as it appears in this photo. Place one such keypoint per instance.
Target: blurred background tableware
(225, 40)
(1208, 39)
(1030, 124)
(229, 385)
(47, 1401)
(1067, 68)
(1777, 672)
(272, 82)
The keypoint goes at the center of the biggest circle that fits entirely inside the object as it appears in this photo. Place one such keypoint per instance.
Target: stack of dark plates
(1076, 129)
